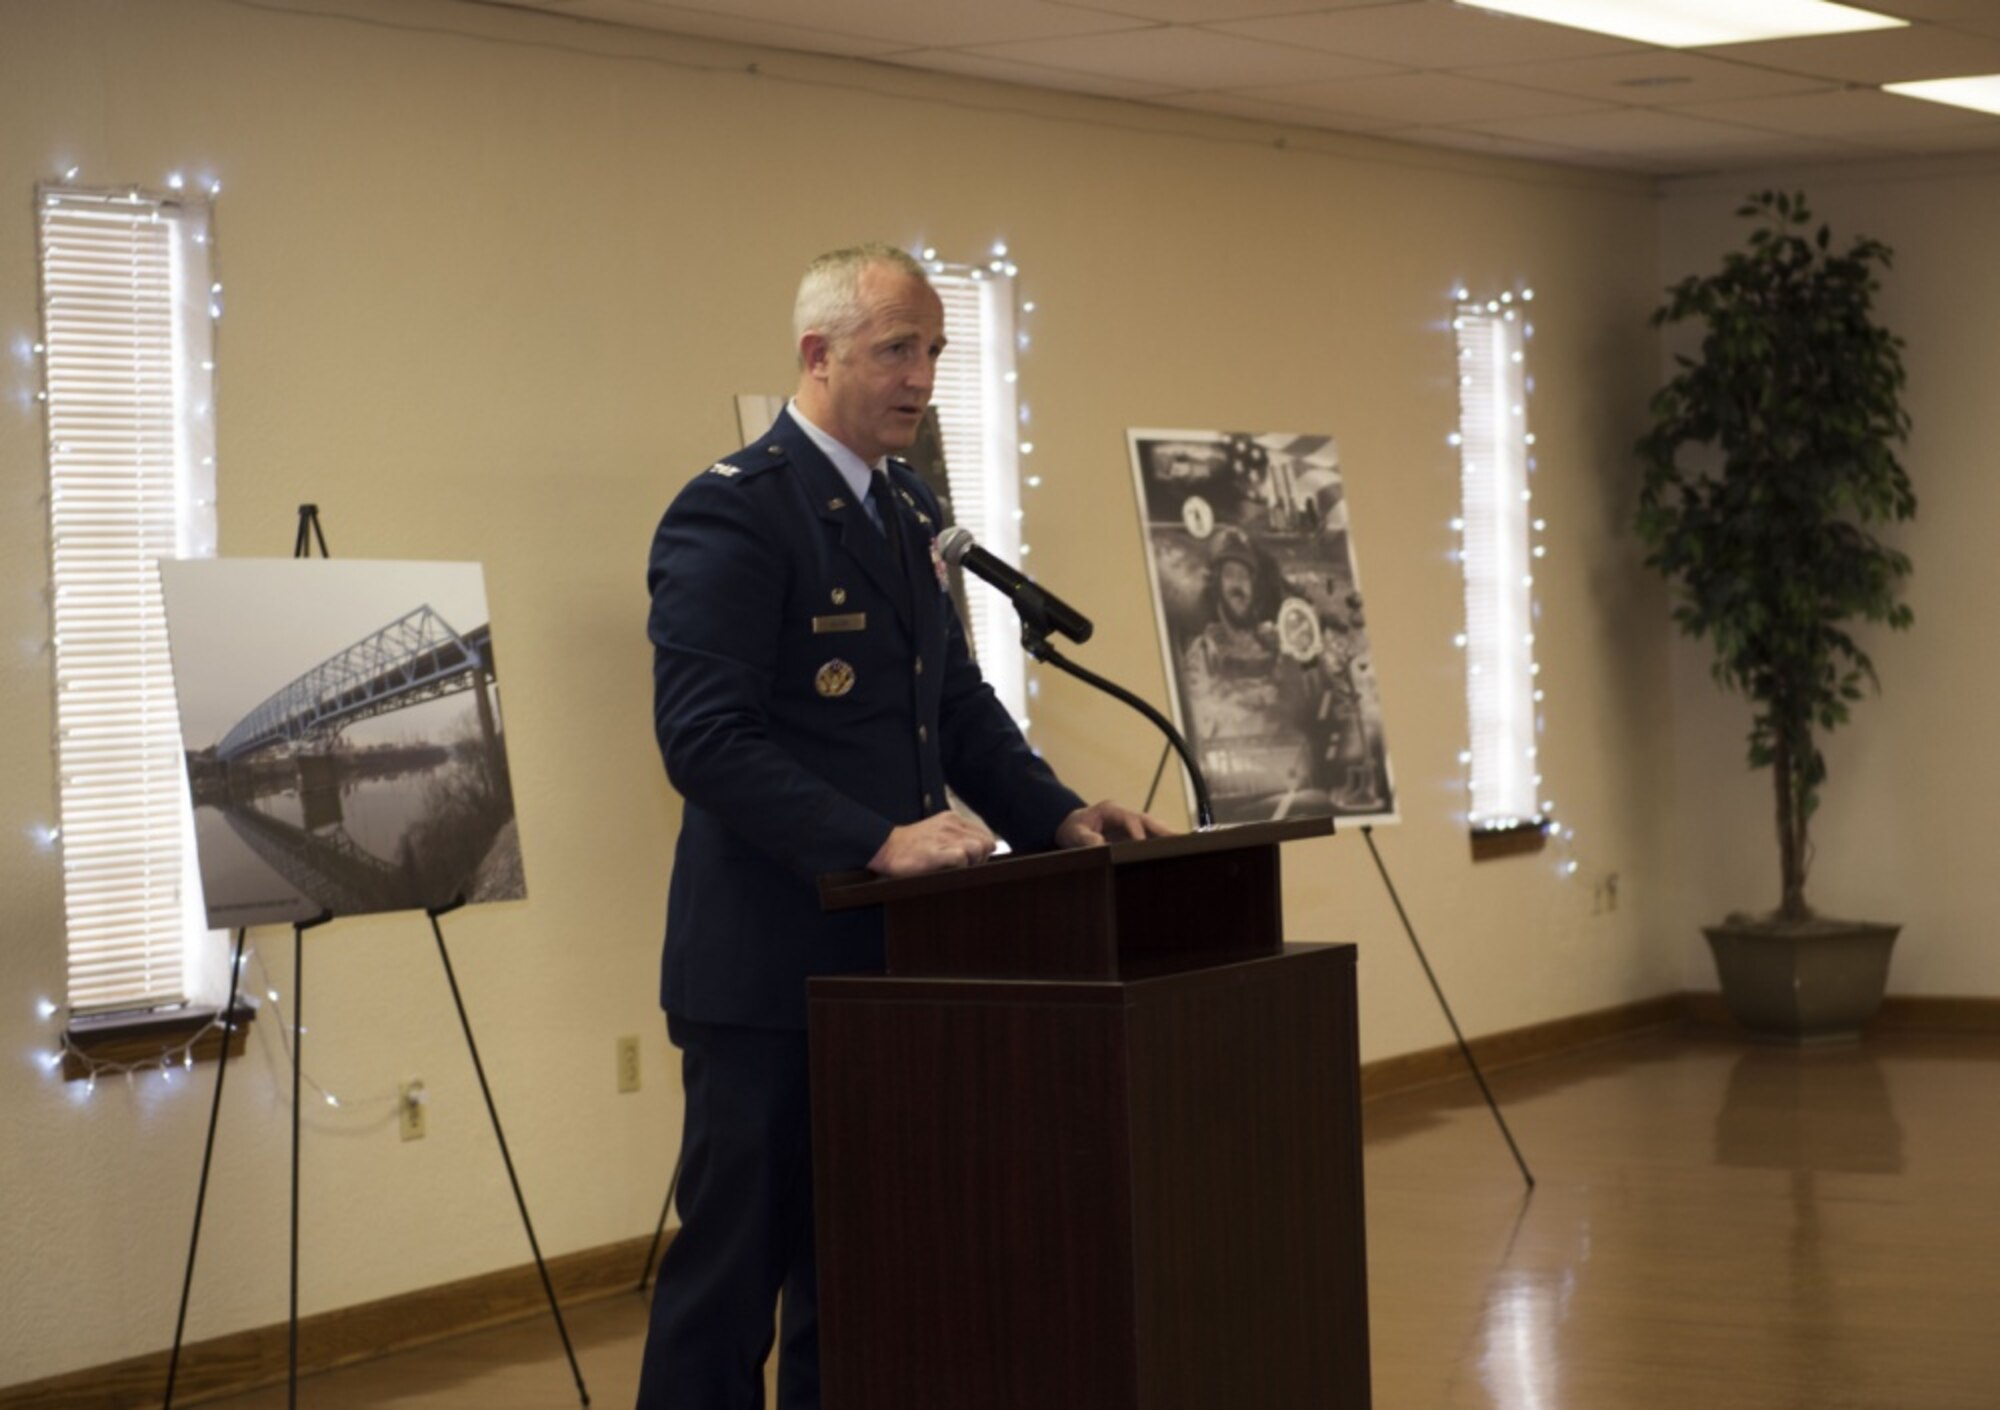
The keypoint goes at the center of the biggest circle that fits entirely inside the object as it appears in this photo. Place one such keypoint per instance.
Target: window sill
(1521, 840)
(131, 1040)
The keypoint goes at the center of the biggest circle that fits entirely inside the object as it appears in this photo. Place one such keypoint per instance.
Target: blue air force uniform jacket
(810, 693)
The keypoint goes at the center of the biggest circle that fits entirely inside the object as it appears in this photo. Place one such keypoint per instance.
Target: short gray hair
(829, 300)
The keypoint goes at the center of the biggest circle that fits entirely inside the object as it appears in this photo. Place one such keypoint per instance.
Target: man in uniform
(813, 698)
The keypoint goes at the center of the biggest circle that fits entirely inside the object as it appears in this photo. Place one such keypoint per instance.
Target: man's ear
(815, 351)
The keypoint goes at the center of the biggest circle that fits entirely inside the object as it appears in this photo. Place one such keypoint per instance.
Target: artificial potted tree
(1771, 458)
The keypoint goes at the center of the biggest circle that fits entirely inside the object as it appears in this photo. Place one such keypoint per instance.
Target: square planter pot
(1812, 981)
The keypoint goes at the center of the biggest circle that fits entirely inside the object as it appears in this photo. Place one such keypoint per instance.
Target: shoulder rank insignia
(725, 469)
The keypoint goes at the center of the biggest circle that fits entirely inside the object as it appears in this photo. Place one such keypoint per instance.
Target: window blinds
(979, 417)
(127, 310)
(1499, 624)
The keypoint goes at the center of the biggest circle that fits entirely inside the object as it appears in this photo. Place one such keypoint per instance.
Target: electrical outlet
(410, 1099)
(628, 1064)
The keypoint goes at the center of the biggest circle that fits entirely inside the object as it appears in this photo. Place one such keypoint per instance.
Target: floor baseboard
(242, 1361)
(1497, 1051)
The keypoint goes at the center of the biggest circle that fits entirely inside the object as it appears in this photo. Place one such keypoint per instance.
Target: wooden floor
(1714, 1227)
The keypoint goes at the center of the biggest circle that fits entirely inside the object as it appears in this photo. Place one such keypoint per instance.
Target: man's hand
(940, 842)
(1087, 827)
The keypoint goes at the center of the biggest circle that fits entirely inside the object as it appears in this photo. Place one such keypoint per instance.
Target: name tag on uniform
(841, 622)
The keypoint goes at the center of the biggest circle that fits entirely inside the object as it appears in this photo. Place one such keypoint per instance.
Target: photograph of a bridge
(341, 723)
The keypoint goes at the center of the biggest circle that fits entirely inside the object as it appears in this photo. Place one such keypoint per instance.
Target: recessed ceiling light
(1683, 24)
(1980, 92)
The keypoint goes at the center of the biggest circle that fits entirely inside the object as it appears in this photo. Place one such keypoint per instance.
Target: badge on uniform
(841, 622)
(937, 562)
(835, 679)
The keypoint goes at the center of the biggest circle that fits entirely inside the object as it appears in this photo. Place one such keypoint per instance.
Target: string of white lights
(284, 1030)
(1485, 548)
(180, 1056)
(168, 1060)
(72, 1054)
(1000, 263)
(176, 1056)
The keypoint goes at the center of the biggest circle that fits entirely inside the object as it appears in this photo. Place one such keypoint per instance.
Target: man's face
(1234, 587)
(876, 382)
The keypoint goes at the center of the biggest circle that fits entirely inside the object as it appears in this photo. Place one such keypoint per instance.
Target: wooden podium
(1093, 1142)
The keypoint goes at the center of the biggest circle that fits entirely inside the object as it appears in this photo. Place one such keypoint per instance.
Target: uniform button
(923, 734)
(920, 665)
(927, 800)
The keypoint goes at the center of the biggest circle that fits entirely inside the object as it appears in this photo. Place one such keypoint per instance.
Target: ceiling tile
(1973, 138)
(1948, 10)
(1774, 150)
(1431, 35)
(1204, 11)
(1651, 78)
(644, 14)
(1632, 130)
(1433, 99)
(1184, 58)
(980, 65)
(1492, 143)
(926, 25)
(1883, 56)
(1247, 105)
(1844, 113)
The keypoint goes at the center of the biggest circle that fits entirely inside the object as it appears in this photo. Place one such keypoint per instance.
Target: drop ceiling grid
(1430, 71)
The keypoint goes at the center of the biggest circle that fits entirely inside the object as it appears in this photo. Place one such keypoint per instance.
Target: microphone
(1039, 608)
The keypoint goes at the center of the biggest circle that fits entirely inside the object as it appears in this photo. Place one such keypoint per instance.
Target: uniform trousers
(746, 1234)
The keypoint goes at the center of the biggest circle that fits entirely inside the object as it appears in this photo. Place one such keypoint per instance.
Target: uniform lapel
(913, 536)
(835, 504)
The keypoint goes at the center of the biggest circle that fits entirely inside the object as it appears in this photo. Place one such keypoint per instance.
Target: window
(1498, 550)
(979, 414)
(128, 303)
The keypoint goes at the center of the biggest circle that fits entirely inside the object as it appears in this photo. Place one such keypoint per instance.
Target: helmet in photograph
(1231, 544)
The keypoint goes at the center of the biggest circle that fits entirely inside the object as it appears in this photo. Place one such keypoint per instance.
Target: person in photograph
(813, 700)
(1234, 672)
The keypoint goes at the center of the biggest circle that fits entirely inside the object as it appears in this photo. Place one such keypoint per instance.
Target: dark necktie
(890, 523)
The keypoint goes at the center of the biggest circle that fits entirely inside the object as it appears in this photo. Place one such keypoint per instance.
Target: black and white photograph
(341, 724)
(1262, 622)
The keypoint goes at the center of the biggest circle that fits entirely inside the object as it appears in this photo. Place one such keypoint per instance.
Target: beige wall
(1908, 816)
(493, 280)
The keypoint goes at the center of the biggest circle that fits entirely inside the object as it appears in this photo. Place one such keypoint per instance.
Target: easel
(1465, 1049)
(308, 534)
